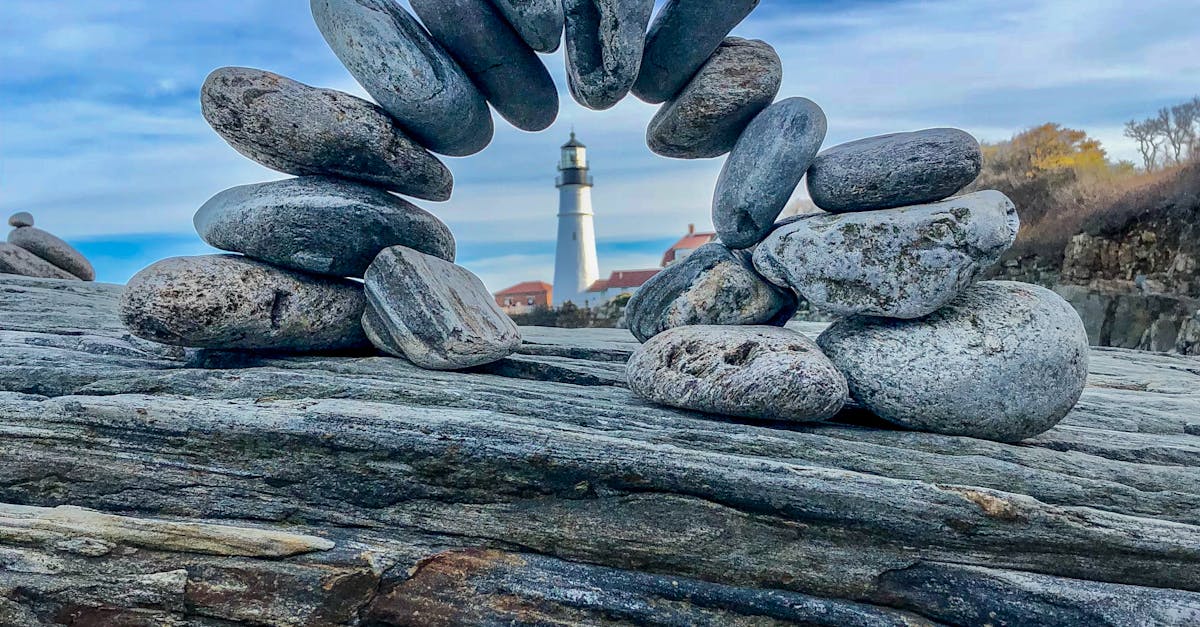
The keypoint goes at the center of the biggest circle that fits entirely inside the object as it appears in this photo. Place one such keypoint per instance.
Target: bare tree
(1187, 118)
(1147, 134)
(1177, 130)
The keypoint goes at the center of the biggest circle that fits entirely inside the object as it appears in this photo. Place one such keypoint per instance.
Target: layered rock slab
(604, 39)
(54, 250)
(681, 39)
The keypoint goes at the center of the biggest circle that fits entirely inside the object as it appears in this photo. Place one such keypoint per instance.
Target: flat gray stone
(17, 260)
(409, 75)
(713, 285)
(539, 22)
(231, 302)
(751, 372)
(764, 168)
(437, 315)
(54, 250)
(897, 263)
(319, 225)
(604, 48)
(894, 170)
(501, 64)
(20, 219)
(302, 130)
(1004, 361)
(707, 118)
(681, 39)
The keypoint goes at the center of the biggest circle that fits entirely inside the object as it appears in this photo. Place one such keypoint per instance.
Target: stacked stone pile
(32, 252)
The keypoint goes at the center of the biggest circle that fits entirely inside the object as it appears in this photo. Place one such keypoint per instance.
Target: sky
(101, 136)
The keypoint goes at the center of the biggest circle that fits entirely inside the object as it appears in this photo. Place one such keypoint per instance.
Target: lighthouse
(575, 265)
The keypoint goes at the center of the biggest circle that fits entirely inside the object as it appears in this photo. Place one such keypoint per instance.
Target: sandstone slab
(20, 219)
(604, 39)
(539, 22)
(17, 260)
(54, 250)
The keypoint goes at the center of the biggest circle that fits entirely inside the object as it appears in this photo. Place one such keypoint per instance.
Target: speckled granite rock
(714, 286)
(894, 170)
(297, 129)
(753, 372)
(319, 225)
(539, 22)
(17, 260)
(436, 314)
(681, 39)
(766, 165)
(707, 117)
(409, 75)
(898, 263)
(53, 250)
(235, 303)
(604, 48)
(1004, 361)
(20, 219)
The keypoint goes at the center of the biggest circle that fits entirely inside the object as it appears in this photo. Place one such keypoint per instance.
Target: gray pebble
(53, 250)
(604, 48)
(503, 67)
(894, 170)
(17, 260)
(713, 285)
(764, 169)
(435, 314)
(765, 373)
(898, 263)
(297, 129)
(230, 302)
(320, 225)
(20, 219)
(409, 75)
(539, 22)
(683, 35)
(707, 117)
(1004, 361)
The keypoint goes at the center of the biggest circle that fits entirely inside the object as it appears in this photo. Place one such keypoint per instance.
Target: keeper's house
(524, 297)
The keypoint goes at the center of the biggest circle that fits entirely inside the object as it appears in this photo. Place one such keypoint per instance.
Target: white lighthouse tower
(575, 267)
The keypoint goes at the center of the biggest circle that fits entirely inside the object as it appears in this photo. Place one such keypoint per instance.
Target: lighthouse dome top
(573, 143)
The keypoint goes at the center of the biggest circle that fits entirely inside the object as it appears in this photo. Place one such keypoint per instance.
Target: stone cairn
(895, 255)
(32, 252)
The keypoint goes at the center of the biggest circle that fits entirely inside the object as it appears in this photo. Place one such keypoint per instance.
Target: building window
(508, 302)
(529, 301)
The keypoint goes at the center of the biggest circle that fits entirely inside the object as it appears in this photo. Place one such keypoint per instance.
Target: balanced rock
(707, 117)
(53, 250)
(234, 303)
(680, 41)
(17, 260)
(502, 65)
(433, 313)
(1004, 361)
(894, 170)
(605, 39)
(20, 219)
(297, 129)
(711, 286)
(407, 73)
(539, 22)
(319, 225)
(764, 169)
(897, 263)
(760, 372)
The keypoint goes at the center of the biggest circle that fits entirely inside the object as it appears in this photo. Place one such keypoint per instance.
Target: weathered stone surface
(1004, 361)
(539, 22)
(759, 372)
(898, 263)
(767, 163)
(302, 130)
(434, 313)
(707, 117)
(681, 39)
(894, 170)
(53, 250)
(235, 303)
(320, 225)
(20, 219)
(604, 48)
(17, 260)
(409, 75)
(713, 285)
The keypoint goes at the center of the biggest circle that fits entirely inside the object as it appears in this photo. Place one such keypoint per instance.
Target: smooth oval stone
(539, 22)
(604, 48)
(707, 117)
(503, 67)
(894, 170)
(297, 129)
(683, 35)
(1004, 361)
(433, 313)
(54, 250)
(319, 225)
(229, 302)
(764, 168)
(17, 260)
(409, 75)
(713, 285)
(897, 263)
(20, 219)
(758, 372)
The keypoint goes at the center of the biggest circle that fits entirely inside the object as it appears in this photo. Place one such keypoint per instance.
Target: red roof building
(686, 245)
(623, 281)
(525, 297)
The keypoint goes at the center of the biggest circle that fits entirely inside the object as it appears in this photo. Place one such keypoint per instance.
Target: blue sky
(101, 135)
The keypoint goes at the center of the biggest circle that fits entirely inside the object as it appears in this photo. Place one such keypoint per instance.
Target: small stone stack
(33, 252)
